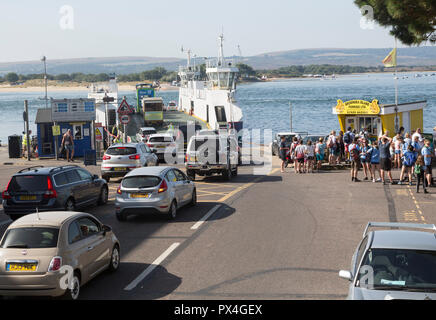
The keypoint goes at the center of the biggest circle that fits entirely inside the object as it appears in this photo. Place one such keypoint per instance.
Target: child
(419, 171)
(409, 159)
(374, 153)
(320, 152)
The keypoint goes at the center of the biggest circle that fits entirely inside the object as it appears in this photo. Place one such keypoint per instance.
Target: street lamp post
(44, 60)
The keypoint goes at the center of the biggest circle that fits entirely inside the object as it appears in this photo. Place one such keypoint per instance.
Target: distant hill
(415, 56)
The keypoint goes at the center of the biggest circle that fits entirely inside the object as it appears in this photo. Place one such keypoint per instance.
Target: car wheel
(103, 196)
(115, 259)
(191, 175)
(227, 175)
(194, 198)
(107, 178)
(73, 293)
(121, 216)
(172, 213)
(70, 205)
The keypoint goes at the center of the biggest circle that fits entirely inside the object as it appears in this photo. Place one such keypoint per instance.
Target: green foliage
(411, 21)
(323, 69)
(12, 77)
(245, 70)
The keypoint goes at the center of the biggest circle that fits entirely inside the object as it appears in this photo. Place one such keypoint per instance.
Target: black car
(52, 188)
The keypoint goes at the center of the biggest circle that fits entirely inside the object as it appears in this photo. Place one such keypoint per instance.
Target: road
(272, 236)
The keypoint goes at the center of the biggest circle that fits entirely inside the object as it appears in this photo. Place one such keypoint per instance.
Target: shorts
(355, 164)
(364, 160)
(69, 147)
(310, 158)
(332, 151)
(397, 151)
(319, 157)
(300, 160)
(385, 164)
(375, 163)
(428, 170)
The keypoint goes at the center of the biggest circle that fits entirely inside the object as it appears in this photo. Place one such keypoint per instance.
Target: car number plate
(120, 169)
(23, 267)
(27, 198)
(139, 195)
(160, 147)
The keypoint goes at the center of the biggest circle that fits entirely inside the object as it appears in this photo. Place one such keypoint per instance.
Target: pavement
(260, 236)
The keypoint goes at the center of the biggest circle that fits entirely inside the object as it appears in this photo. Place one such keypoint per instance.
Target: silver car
(160, 190)
(394, 264)
(162, 143)
(120, 159)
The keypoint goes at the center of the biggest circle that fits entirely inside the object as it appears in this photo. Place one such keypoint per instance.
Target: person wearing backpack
(409, 159)
(299, 156)
(355, 159)
(292, 152)
(331, 144)
(427, 155)
(419, 172)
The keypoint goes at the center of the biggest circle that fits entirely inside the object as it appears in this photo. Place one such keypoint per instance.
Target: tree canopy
(12, 77)
(410, 21)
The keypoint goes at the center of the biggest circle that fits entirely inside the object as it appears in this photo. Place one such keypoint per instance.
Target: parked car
(162, 143)
(172, 106)
(52, 188)
(35, 247)
(212, 154)
(158, 190)
(394, 264)
(144, 133)
(275, 146)
(120, 158)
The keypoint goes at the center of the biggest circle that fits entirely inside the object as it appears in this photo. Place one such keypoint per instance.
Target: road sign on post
(124, 119)
(124, 108)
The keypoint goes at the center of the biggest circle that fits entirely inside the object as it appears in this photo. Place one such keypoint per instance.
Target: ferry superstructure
(98, 92)
(212, 100)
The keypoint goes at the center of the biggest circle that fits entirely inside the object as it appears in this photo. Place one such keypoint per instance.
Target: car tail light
(163, 186)
(135, 157)
(55, 264)
(149, 145)
(119, 190)
(186, 158)
(5, 194)
(51, 192)
(105, 157)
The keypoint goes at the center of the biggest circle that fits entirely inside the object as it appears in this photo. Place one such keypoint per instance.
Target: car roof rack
(64, 167)
(399, 225)
(30, 168)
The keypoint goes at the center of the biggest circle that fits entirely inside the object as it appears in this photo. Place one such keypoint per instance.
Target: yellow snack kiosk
(360, 115)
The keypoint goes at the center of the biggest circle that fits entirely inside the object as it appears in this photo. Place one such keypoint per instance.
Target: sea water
(265, 105)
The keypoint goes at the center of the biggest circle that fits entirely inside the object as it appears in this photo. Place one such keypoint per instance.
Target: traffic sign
(124, 108)
(125, 119)
(99, 133)
(56, 130)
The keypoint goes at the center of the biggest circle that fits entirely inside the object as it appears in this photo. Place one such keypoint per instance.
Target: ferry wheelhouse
(212, 99)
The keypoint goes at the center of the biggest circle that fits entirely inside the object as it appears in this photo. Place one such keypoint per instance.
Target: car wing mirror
(345, 274)
(95, 177)
(106, 228)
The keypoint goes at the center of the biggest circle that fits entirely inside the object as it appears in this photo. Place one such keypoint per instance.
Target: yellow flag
(391, 59)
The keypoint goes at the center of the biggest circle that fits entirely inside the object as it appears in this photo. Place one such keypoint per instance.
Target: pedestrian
(419, 135)
(348, 139)
(409, 159)
(374, 153)
(68, 143)
(419, 172)
(406, 142)
(331, 143)
(365, 158)
(292, 152)
(24, 142)
(283, 152)
(341, 144)
(426, 152)
(397, 150)
(310, 154)
(385, 158)
(320, 152)
(416, 145)
(355, 159)
(299, 156)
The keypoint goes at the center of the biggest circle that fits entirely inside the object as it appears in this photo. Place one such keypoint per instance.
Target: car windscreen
(160, 139)
(212, 144)
(141, 182)
(30, 238)
(148, 132)
(28, 183)
(398, 269)
(121, 151)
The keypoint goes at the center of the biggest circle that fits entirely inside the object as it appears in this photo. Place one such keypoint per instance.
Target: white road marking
(150, 268)
(202, 220)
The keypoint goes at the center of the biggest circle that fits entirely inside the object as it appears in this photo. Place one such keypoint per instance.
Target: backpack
(417, 169)
(300, 155)
(347, 138)
(355, 154)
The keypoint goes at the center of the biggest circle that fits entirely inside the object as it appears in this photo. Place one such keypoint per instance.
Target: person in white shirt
(331, 144)
(419, 135)
(310, 154)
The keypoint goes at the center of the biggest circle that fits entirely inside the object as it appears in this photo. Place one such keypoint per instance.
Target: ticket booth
(375, 118)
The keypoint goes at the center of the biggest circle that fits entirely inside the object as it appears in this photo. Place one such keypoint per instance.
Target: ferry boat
(212, 99)
(98, 92)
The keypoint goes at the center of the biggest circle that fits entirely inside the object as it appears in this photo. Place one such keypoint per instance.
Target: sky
(64, 29)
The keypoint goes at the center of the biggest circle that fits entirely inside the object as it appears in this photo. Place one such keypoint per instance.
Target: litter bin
(90, 158)
(14, 146)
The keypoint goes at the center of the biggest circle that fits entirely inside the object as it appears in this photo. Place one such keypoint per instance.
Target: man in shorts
(354, 150)
(283, 151)
(68, 143)
(385, 158)
(427, 154)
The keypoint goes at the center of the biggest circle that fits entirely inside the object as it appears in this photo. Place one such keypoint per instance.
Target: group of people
(412, 155)
(305, 157)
